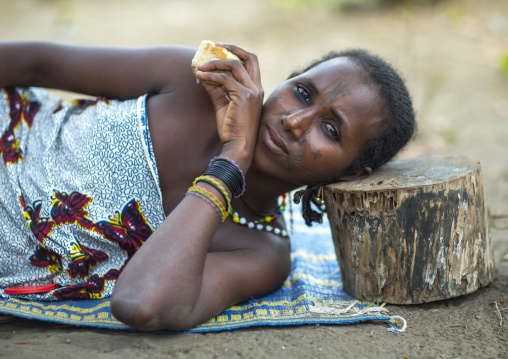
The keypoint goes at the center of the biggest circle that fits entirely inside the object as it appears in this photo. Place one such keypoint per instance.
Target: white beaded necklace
(260, 224)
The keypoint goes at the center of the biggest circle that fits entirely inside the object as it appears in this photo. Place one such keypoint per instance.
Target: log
(415, 231)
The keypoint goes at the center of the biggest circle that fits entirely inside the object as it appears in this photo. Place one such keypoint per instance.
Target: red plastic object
(30, 290)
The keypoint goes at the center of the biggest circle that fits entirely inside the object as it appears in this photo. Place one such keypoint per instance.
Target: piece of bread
(209, 52)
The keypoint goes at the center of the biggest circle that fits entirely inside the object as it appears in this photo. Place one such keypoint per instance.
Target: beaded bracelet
(203, 197)
(204, 192)
(229, 172)
(211, 181)
(207, 194)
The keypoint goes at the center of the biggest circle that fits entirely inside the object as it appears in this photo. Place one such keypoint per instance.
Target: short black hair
(399, 123)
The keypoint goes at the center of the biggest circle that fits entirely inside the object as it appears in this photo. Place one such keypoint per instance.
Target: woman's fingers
(217, 93)
(237, 97)
(221, 67)
(250, 60)
(228, 87)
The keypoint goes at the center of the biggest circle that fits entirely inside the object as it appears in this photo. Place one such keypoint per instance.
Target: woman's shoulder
(173, 63)
(180, 87)
(182, 98)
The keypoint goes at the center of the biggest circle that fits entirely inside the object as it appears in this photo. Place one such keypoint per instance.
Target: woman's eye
(304, 94)
(331, 131)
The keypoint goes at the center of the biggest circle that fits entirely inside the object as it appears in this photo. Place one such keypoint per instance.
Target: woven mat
(312, 294)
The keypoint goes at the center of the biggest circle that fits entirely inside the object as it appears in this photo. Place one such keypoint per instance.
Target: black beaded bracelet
(229, 172)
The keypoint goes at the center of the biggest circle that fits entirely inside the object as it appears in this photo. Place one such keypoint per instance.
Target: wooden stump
(415, 231)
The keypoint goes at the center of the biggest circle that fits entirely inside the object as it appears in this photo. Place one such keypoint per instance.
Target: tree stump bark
(415, 231)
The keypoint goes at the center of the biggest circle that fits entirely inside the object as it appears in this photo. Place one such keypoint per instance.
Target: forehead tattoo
(335, 90)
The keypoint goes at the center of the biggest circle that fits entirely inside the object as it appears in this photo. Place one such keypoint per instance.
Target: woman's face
(314, 125)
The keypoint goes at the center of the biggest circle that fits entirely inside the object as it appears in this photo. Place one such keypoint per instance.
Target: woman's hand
(237, 100)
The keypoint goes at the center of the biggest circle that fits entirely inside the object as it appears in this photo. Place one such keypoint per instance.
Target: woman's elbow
(144, 315)
(131, 312)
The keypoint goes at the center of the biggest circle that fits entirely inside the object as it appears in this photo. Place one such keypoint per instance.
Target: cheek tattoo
(316, 154)
(294, 162)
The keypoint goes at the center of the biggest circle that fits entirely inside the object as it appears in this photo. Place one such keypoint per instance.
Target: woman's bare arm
(114, 72)
(173, 281)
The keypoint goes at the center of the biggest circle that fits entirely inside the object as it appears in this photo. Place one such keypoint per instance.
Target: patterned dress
(79, 191)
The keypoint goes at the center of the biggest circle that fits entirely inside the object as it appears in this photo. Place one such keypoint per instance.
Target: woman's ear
(363, 173)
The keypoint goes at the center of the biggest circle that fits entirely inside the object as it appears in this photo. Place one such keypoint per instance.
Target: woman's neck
(261, 194)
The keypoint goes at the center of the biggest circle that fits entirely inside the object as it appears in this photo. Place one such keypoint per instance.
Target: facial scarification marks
(335, 90)
(277, 98)
(316, 154)
(283, 112)
(331, 93)
(295, 160)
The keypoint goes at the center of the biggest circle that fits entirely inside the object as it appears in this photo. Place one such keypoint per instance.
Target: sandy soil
(450, 54)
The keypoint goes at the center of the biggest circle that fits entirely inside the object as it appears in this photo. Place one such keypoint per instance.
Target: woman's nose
(297, 122)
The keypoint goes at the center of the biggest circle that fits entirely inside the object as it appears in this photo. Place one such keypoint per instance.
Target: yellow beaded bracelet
(213, 182)
(205, 193)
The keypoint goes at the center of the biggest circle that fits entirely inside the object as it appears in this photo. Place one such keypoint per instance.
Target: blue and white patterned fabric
(79, 191)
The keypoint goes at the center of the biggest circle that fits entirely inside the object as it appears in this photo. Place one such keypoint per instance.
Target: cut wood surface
(415, 231)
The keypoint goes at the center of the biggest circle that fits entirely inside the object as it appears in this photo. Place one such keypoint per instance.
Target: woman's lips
(274, 141)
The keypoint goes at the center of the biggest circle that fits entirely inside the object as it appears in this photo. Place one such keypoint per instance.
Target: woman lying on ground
(127, 195)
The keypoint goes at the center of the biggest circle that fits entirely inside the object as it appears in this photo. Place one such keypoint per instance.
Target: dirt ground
(451, 54)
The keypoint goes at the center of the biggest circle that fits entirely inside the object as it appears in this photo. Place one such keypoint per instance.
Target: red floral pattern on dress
(129, 229)
(83, 258)
(58, 107)
(45, 258)
(40, 227)
(21, 109)
(70, 208)
(81, 105)
(9, 147)
(91, 289)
